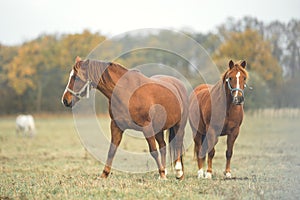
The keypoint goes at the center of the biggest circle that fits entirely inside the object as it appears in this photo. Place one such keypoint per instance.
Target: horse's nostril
(242, 99)
(238, 100)
(65, 102)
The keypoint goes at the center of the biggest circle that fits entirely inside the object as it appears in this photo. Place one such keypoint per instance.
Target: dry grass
(54, 165)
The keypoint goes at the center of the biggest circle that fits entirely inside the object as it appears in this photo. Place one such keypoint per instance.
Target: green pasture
(54, 165)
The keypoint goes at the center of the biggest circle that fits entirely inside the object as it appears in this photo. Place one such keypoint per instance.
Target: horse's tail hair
(172, 146)
(195, 153)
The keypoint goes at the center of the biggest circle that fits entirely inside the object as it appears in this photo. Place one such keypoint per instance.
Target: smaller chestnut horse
(217, 110)
(150, 105)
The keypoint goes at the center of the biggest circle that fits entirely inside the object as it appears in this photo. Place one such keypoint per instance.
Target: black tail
(172, 146)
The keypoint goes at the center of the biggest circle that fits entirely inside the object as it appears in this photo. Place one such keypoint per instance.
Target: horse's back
(175, 82)
(160, 98)
(21, 121)
(200, 95)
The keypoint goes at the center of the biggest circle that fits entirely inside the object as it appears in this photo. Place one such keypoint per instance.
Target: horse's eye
(77, 78)
(230, 78)
(245, 78)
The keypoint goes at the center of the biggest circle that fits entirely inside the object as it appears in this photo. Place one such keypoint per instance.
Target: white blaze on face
(237, 83)
(71, 74)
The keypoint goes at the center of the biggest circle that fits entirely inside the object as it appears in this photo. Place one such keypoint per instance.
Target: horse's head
(235, 78)
(79, 84)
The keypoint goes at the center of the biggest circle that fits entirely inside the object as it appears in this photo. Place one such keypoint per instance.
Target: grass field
(54, 165)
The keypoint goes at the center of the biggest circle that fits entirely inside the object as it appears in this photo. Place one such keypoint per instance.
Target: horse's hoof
(180, 178)
(227, 175)
(200, 173)
(162, 178)
(103, 176)
(208, 175)
(178, 170)
(179, 173)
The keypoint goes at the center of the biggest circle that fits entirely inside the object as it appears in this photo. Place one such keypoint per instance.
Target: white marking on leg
(228, 175)
(178, 169)
(237, 83)
(200, 173)
(208, 175)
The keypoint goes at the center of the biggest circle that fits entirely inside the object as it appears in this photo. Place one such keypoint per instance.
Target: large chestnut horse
(150, 105)
(217, 110)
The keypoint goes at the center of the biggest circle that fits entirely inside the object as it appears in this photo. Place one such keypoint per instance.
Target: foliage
(283, 39)
(33, 75)
(250, 46)
(267, 74)
(37, 71)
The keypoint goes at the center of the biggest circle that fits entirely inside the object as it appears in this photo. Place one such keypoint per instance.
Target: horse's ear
(231, 64)
(77, 59)
(85, 64)
(243, 64)
(77, 64)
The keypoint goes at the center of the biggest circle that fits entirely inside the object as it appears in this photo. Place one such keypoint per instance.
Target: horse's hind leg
(179, 134)
(162, 148)
(211, 155)
(198, 139)
(154, 154)
(116, 137)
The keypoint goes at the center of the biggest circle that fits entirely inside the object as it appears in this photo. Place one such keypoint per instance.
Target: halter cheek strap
(86, 87)
(234, 89)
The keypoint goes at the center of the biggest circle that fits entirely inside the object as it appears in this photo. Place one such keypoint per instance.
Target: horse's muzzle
(66, 103)
(238, 100)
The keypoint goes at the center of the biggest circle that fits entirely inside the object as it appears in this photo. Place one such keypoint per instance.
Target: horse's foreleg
(116, 137)
(230, 142)
(211, 155)
(210, 142)
(162, 148)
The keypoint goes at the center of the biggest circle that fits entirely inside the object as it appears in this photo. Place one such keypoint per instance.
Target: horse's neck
(218, 91)
(109, 77)
(220, 95)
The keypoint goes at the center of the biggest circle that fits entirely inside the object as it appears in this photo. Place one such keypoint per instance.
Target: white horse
(25, 125)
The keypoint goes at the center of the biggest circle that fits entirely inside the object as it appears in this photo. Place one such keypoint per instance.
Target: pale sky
(22, 20)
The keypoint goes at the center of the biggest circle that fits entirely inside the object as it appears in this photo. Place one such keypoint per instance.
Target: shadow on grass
(236, 179)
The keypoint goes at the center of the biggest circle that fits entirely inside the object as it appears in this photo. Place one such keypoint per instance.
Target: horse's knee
(211, 154)
(154, 154)
(163, 150)
(228, 154)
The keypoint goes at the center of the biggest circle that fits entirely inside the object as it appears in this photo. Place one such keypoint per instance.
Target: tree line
(33, 75)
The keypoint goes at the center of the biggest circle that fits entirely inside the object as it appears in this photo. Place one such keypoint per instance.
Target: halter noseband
(235, 89)
(86, 87)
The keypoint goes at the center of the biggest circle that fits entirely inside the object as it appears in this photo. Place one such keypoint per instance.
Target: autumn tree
(250, 46)
(39, 70)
